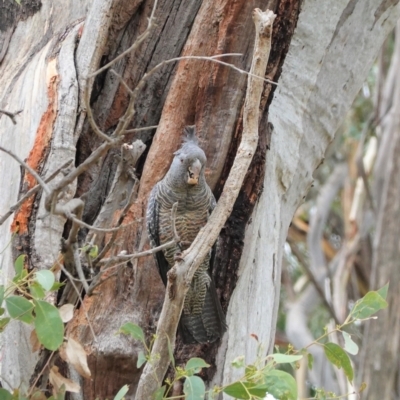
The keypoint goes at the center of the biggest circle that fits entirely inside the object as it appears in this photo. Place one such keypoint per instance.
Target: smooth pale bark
(331, 52)
(379, 366)
(36, 79)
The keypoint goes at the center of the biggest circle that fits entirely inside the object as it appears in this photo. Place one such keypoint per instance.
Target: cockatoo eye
(181, 159)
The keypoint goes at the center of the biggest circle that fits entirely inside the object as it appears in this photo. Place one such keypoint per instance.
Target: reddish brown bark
(211, 96)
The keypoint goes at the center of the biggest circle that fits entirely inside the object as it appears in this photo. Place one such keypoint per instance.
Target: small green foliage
(91, 250)
(369, 304)
(383, 291)
(2, 290)
(159, 394)
(141, 359)
(48, 324)
(19, 308)
(338, 357)
(285, 358)
(3, 323)
(194, 366)
(310, 360)
(56, 286)
(37, 290)
(5, 394)
(19, 264)
(94, 252)
(133, 330)
(238, 362)
(45, 278)
(194, 388)
(349, 345)
(281, 385)
(237, 390)
(122, 392)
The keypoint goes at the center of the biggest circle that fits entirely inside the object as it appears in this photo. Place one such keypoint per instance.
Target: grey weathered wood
(331, 52)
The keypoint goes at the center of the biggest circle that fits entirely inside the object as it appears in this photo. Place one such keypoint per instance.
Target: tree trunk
(52, 48)
(380, 366)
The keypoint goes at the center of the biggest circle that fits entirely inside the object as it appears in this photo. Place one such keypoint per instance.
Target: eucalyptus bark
(379, 366)
(42, 71)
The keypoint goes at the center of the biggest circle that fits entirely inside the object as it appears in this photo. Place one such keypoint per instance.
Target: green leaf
(383, 291)
(5, 394)
(20, 308)
(3, 323)
(37, 290)
(238, 390)
(45, 278)
(141, 359)
(194, 388)
(2, 311)
(56, 286)
(19, 264)
(121, 392)
(246, 390)
(1, 294)
(159, 393)
(285, 358)
(133, 330)
(310, 360)
(338, 357)
(349, 345)
(281, 385)
(238, 362)
(21, 276)
(48, 324)
(368, 305)
(94, 252)
(194, 365)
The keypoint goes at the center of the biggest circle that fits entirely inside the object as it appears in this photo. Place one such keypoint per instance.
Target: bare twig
(78, 292)
(109, 244)
(27, 167)
(313, 280)
(79, 170)
(78, 266)
(11, 115)
(31, 192)
(121, 79)
(134, 46)
(40, 374)
(128, 257)
(145, 128)
(180, 276)
(92, 122)
(213, 59)
(92, 227)
(123, 258)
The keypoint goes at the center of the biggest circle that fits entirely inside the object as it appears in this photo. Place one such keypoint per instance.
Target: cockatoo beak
(194, 173)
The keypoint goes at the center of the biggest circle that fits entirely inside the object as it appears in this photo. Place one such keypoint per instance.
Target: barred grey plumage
(202, 318)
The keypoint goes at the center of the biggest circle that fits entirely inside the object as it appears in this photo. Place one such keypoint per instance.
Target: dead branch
(181, 274)
(28, 168)
(123, 189)
(296, 251)
(145, 128)
(134, 46)
(31, 192)
(11, 115)
(123, 258)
